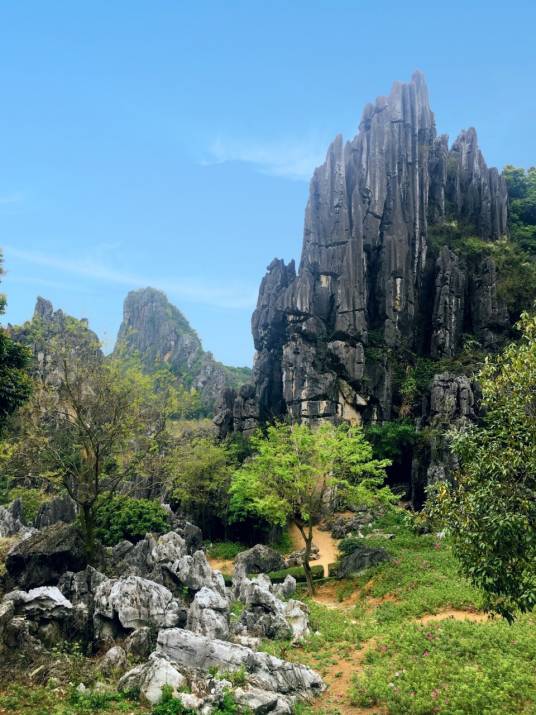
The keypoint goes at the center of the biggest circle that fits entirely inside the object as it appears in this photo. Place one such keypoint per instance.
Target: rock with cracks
(263, 671)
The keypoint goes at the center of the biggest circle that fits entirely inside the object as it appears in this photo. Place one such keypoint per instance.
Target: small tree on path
(296, 470)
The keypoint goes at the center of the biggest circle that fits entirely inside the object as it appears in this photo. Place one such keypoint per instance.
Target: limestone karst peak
(373, 277)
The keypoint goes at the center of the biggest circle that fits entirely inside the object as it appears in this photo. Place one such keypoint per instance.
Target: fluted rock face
(371, 282)
(157, 333)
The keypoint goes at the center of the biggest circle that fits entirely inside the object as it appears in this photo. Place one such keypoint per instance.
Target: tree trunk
(307, 534)
(88, 526)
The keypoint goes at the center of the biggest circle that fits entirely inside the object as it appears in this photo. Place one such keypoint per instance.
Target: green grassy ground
(379, 653)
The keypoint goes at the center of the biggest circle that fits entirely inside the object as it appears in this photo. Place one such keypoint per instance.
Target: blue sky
(170, 143)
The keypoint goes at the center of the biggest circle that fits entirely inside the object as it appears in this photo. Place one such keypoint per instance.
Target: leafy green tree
(296, 472)
(78, 434)
(201, 480)
(491, 511)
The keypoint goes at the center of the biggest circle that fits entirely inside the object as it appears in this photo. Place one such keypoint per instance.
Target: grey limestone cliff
(379, 283)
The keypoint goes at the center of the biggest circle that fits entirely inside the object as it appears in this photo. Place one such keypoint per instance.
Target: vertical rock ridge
(371, 283)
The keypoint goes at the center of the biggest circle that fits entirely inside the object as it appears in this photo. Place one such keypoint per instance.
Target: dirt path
(339, 679)
(327, 545)
(226, 566)
(457, 615)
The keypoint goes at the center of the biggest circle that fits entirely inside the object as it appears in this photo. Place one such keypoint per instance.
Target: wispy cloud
(286, 158)
(10, 199)
(195, 290)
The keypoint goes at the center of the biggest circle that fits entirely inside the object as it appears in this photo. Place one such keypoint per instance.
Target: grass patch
(450, 668)
(31, 699)
(423, 576)
(401, 666)
(225, 550)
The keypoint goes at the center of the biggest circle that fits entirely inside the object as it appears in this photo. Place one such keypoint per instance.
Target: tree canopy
(491, 511)
(298, 472)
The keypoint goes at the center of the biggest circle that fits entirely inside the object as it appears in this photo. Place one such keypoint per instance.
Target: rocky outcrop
(451, 405)
(199, 643)
(11, 525)
(362, 557)
(135, 602)
(382, 280)
(259, 559)
(50, 332)
(42, 558)
(190, 650)
(157, 334)
(61, 508)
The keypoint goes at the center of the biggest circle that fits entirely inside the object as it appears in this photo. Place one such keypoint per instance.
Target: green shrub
(227, 705)
(122, 517)
(170, 705)
(350, 544)
(297, 572)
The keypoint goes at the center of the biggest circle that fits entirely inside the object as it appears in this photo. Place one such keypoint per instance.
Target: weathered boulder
(41, 559)
(362, 558)
(59, 509)
(297, 616)
(255, 700)
(18, 636)
(285, 589)
(113, 661)
(191, 650)
(192, 534)
(44, 602)
(296, 557)
(259, 559)
(139, 643)
(341, 526)
(135, 602)
(150, 677)
(11, 525)
(194, 572)
(209, 614)
(7, 611)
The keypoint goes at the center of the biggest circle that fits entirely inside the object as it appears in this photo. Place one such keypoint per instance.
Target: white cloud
(192, 289)
(290, 159)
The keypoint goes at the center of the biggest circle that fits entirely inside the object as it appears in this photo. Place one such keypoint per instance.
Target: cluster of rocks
(160, 602)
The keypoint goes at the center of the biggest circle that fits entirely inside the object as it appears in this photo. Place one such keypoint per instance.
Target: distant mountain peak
(156, 332)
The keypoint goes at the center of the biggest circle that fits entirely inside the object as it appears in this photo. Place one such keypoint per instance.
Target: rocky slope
(386, 283)
(160, 615)
(157, 333)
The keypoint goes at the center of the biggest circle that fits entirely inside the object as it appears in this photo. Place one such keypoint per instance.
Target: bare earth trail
(327, 545)
(344, 665)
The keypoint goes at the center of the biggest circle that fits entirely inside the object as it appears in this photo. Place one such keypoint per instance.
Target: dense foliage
(15, 385)
(201, 480)
(120, 517)
(492, 510)
(296, 470)
(522, 192)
